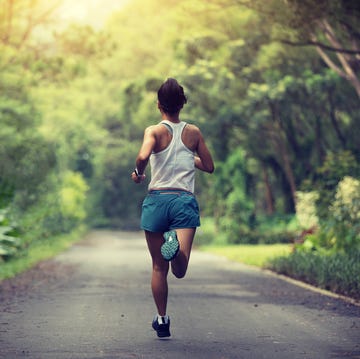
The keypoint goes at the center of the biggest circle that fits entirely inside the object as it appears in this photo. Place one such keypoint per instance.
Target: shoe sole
(170, 248)
(161, 333)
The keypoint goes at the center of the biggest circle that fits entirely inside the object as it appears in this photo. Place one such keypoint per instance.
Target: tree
(332, 27)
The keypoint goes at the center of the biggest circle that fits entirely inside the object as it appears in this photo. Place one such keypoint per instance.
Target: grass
(37, 252)
(256, 255)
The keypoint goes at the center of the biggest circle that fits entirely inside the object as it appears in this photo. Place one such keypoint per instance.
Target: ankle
(162, 319)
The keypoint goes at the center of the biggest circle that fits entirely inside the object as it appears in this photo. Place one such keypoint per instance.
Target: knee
(161, 269)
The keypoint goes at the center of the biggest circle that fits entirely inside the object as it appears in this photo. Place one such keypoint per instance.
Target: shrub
(345, 213)
(335, 167)
(340, 230)
(59, 207)
(9, 236)
(265, 230)
(338, 272)
(306, 209)
(72, 199)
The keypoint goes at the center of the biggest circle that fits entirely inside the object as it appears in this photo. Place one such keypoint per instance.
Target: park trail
(94, 301)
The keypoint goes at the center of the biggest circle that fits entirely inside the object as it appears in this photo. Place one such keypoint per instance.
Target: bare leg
(160, 269)
(180, 263)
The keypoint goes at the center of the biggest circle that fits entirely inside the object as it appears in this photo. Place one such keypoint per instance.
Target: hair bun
(171, 96)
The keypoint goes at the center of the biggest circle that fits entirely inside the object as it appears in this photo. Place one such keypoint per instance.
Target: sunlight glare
(92, 12)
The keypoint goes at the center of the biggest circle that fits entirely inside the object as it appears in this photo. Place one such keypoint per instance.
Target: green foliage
(269, 230)
(208, 234)
(231, 190)
(335, 167)
(73, 199)
(10, 242)
(73, 109)
(38, 251)
(58, 206)
(306, 213)
(336, 204)
(342, 230)
(338, 272)
(120, 198)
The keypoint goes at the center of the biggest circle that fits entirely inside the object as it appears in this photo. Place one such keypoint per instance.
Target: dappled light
(274, 87)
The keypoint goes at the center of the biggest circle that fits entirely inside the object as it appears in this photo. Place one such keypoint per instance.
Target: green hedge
(337, 272)
(257, 237)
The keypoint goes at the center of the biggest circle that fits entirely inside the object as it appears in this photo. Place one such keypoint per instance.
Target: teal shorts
(165, 210)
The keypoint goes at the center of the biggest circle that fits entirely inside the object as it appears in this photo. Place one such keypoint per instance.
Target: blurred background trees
(273, 86)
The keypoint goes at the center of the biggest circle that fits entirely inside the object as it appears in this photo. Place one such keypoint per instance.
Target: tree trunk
(335, 123)
(269, 197)
(318, 140)
(280, 142)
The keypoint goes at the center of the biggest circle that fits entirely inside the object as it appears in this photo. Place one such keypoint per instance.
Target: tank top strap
(167, 125)
(175, 129)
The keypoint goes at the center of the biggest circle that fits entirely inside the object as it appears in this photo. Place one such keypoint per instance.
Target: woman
(170, 213)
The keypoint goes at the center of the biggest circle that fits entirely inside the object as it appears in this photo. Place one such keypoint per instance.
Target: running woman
(170, 212)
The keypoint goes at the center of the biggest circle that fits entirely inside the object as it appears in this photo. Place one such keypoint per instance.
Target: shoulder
(191, 137)
(192, 132)
(153, 130)
(192, 128)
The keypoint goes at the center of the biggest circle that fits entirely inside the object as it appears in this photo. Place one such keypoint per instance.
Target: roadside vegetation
(324, 249)
(273, 85)
(38, 251)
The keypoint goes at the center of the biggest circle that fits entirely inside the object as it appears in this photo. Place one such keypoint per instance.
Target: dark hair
(171, 96)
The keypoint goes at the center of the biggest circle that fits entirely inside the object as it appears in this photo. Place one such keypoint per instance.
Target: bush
(72, 200)
(265, 230)
(59, 207)
(306, 209)
(338, 272)
(340, 231)
(9, 237)
(259, 237)
(345, 212)
(335, 167)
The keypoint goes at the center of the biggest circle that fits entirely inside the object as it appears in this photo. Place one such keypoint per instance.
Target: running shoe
(163, 328)
(170, 248)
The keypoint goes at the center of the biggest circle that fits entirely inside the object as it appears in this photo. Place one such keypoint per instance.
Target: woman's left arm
(203, 161)
(142, 158)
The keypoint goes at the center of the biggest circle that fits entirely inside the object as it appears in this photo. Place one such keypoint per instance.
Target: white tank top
(173, 167)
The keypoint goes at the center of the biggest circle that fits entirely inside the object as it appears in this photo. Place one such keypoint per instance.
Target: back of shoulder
(191, 136)
(192, 129)
(155, 130)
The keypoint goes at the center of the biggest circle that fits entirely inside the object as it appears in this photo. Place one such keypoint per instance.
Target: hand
(137, 178)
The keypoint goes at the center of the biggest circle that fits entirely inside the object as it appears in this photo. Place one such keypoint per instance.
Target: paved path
(94, 301)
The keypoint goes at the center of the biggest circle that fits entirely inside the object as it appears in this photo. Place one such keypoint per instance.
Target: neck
(172, 118)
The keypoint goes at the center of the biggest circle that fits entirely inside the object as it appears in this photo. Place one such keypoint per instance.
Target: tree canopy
(274, 87)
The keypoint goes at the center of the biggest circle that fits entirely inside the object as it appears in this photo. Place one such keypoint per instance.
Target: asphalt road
(94, 301)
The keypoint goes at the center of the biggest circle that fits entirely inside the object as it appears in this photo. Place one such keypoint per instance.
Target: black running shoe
(162, 329)
(170, 248)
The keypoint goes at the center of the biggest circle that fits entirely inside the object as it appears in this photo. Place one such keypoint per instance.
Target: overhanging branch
(319, 44)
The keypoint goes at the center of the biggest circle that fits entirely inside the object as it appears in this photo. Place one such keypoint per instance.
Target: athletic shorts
(165, 210)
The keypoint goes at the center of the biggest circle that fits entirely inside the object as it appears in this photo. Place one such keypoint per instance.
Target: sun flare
(92, 12)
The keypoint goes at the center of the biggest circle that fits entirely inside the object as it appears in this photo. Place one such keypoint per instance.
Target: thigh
(154, 241)
(186, 237)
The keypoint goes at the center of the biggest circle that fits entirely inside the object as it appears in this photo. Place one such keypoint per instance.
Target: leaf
(5, 229)
(6, 250)
(14, 241)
